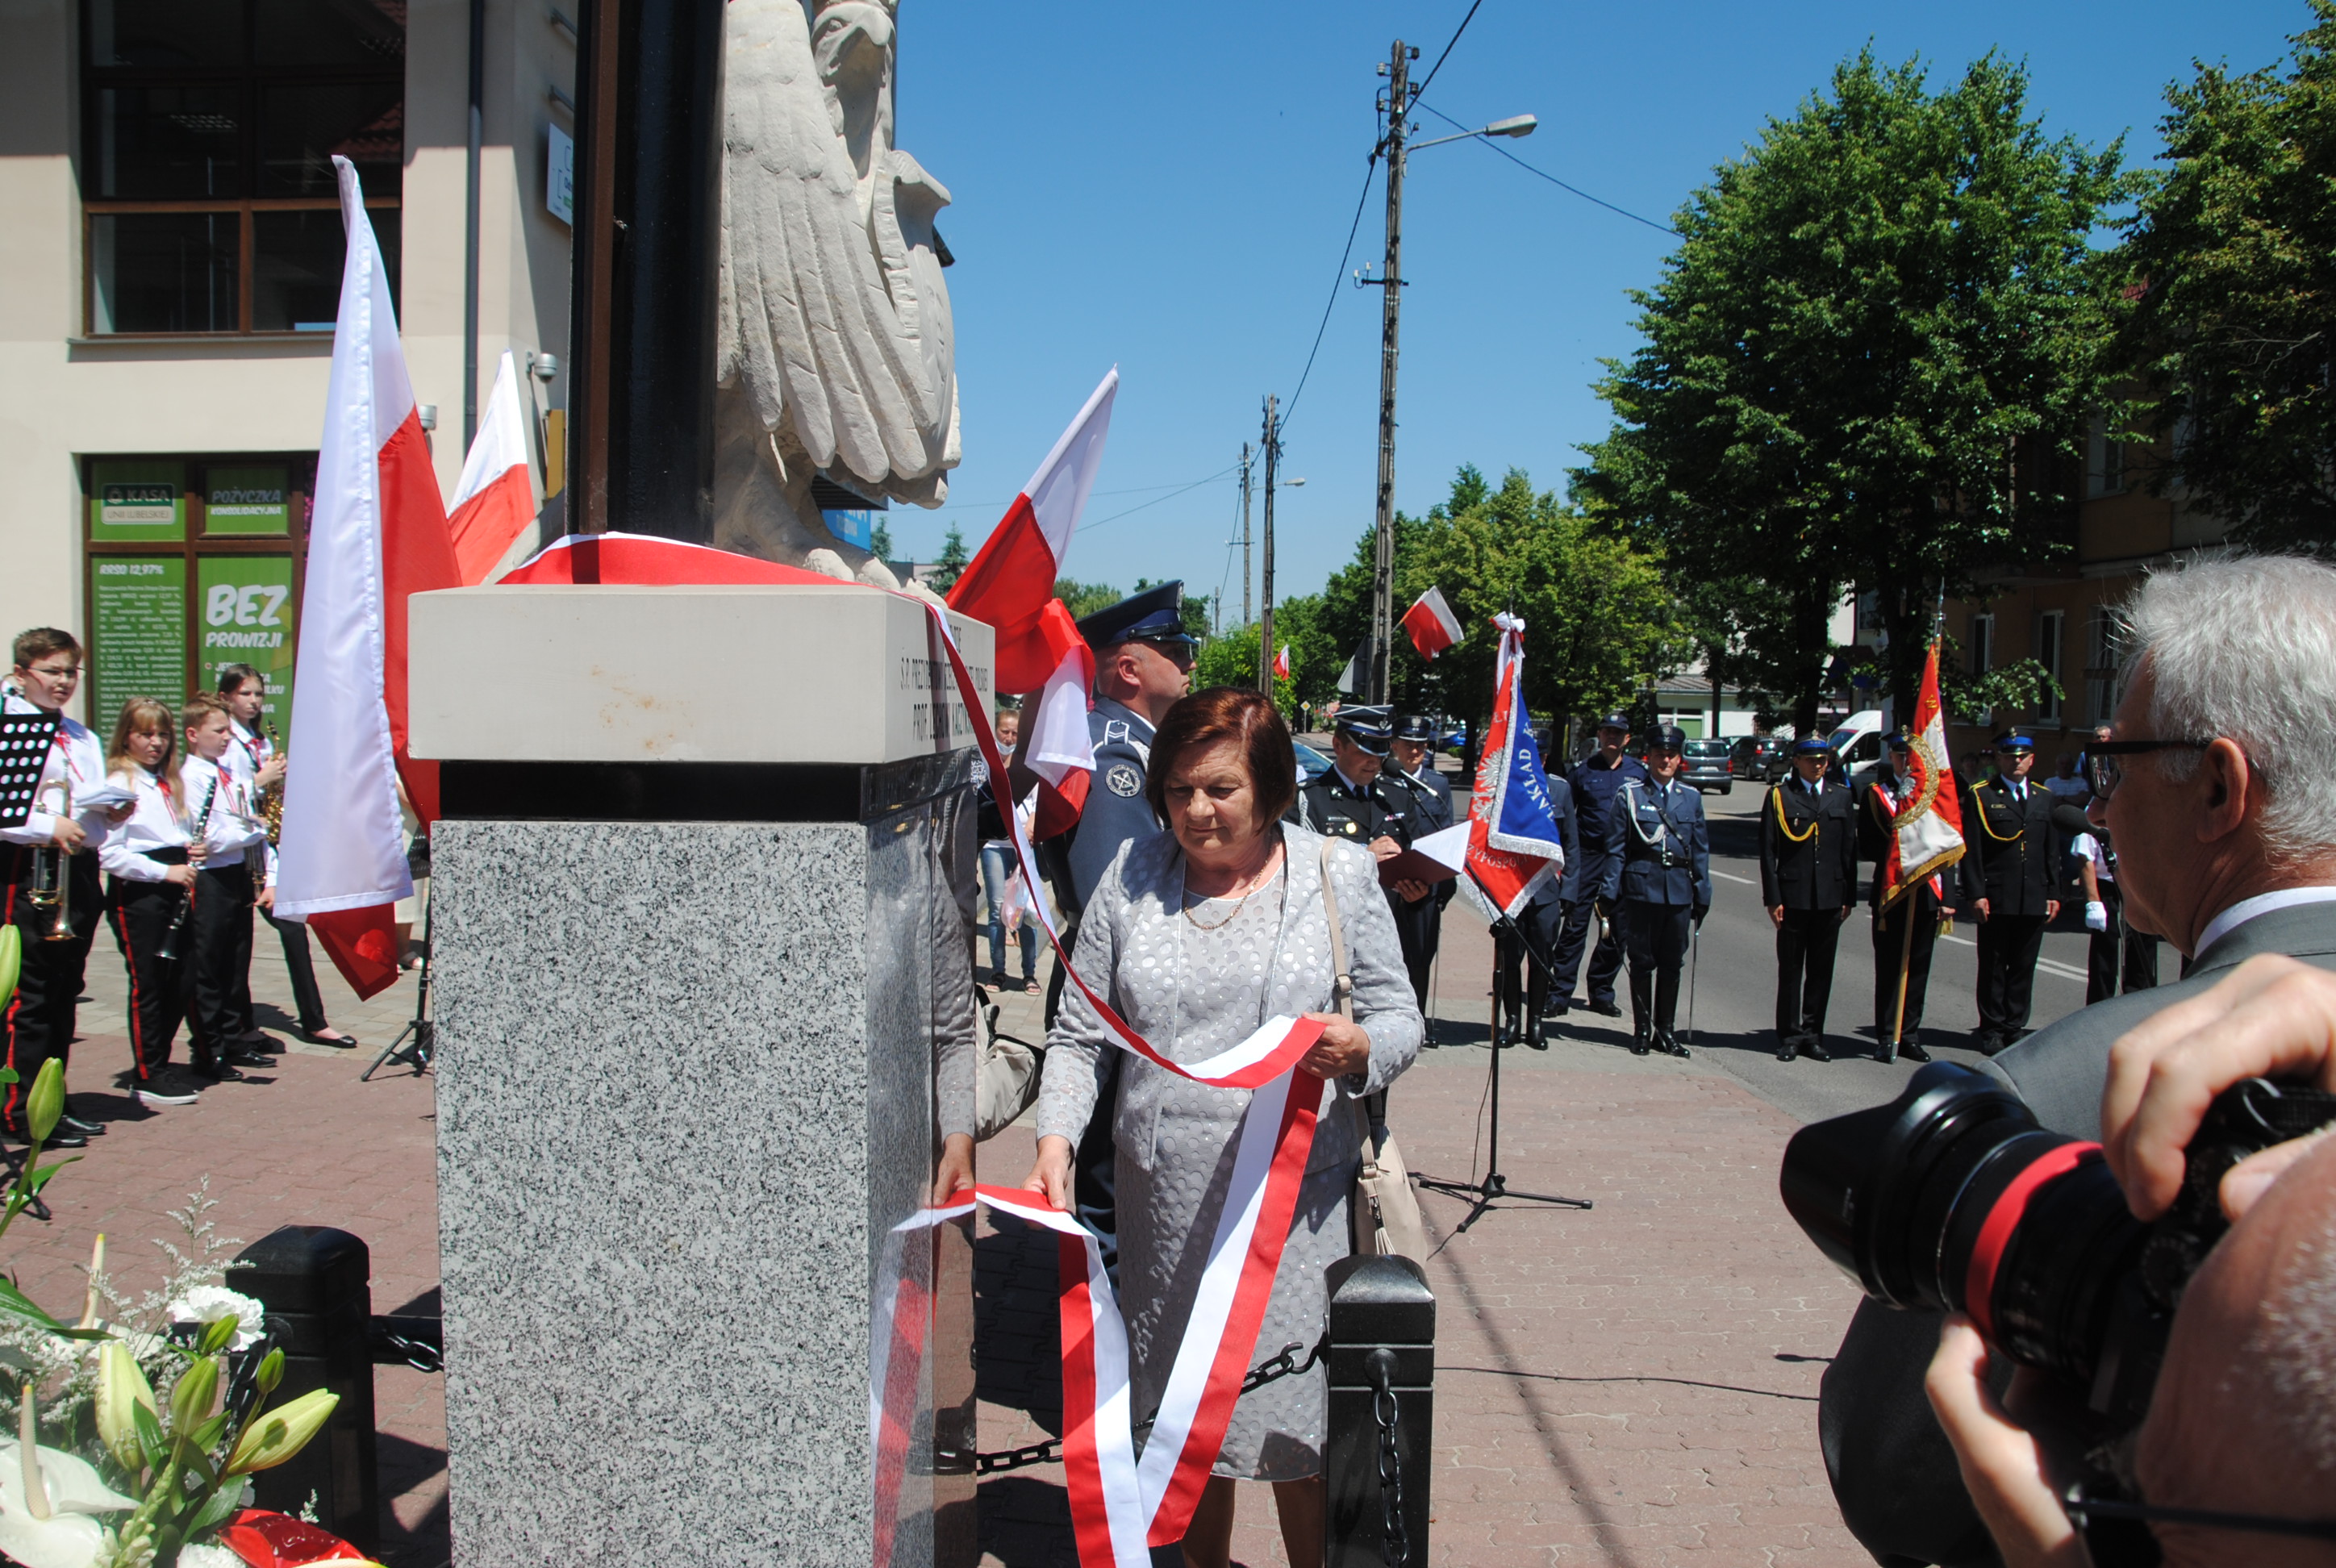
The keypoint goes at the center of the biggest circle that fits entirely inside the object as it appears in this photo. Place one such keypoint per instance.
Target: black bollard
(1381, 1366)
(316, 1283)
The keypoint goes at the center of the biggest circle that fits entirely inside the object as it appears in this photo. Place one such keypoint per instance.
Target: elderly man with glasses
(2218, 787)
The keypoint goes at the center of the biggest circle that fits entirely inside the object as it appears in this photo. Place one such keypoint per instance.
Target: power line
(1338, 278)
(1554, 179)
(1440, 59)
(1172, 495)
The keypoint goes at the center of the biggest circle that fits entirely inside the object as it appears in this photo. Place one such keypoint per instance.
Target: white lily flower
(69, 1537)
(210, 1303)
(195, 1554)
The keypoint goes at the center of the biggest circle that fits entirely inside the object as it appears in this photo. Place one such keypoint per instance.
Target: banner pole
(1905, 962)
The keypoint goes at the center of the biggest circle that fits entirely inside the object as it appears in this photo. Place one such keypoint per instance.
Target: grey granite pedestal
(695, 1060)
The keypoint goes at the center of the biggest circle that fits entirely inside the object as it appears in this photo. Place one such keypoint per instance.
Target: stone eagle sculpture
(835, 351)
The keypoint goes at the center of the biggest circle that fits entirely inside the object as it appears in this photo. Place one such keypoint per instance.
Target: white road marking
(1731, 876)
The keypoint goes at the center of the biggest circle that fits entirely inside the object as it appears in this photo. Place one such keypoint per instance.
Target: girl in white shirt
(150, 876)
(224, 887)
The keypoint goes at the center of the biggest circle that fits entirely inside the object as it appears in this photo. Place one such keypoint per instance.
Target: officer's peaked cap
(1668, 737)
(2012, 740)
(1899, 740)
(1370, 728)
(1616, 720)
(1810, 745)
(1157, 614)
(1414, 727)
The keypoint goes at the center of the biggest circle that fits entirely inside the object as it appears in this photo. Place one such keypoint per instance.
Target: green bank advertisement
(243, 605)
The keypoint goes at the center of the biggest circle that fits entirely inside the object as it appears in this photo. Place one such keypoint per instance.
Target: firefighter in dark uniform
(1143, 663)
(1593, 782)
(1524, 1011)
(1662, 879)
(1878, 832)
(1355, 801)
(2011, 884)
(1808, 882)
(1411, 768)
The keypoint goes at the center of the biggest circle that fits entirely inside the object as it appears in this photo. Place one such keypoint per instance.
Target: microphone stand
(1489, 1193)
(421, 1030)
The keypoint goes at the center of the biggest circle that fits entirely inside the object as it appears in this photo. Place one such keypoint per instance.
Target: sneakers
(167, 1087)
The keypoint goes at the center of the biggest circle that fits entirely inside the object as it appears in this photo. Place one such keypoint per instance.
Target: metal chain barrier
(1272, 1370)
(1395, 1545)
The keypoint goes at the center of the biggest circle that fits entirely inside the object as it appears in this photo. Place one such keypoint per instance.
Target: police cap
(1667, 737)
(1155, 615)
(1371, 728)
(1616, 720)
(1811, 746)
(1414, 727)
(2013, 741)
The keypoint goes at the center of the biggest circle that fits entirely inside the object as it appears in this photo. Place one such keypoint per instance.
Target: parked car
(1311, 764)
(1762, 758)
(1706, 764)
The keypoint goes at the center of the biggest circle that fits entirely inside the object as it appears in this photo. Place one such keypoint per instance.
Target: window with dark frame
(2049, 626)
(208, 129)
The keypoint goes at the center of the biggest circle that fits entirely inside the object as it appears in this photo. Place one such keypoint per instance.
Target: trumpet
(271, 801)
(52, 885)
(169, 951)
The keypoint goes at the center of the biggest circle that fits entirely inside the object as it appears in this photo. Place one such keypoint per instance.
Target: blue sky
(1167, 187)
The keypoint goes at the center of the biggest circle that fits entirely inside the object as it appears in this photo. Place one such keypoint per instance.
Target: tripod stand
(419, 1030)
(1494, 1187)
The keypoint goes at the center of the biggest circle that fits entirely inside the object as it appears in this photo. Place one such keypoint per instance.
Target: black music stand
(24, 742)
(421, 1030)
(1495, 1187)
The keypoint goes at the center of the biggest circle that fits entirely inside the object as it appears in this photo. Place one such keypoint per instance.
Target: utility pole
(1248, 609)
(1265, 582)
(1398, 106)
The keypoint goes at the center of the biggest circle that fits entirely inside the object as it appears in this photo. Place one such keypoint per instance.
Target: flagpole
(1905, 962)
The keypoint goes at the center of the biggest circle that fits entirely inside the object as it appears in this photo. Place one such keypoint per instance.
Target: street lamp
(1398, 69)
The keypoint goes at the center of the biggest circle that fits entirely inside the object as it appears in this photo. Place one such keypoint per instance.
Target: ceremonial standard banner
(1513, 842)
(1926, 814)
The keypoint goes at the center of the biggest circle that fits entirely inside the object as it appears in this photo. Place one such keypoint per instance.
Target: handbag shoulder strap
(1343, 984)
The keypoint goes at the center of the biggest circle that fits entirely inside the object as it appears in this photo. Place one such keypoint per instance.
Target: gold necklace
(1272, 869)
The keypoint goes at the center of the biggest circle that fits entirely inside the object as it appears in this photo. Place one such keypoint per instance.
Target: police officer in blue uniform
(1662, 878)
(1410, 767)
(1143, 663)
(1592, 783)
(1808, 884)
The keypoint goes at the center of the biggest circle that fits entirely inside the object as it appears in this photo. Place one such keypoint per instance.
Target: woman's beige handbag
(1007, 1082)
(1383, 1191)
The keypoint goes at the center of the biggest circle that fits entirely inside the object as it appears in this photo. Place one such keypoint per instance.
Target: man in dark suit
(1592, 783)
(1662, 878)
(1411, 769)
(1808, 882)
(1523, 985)
(2011, 883)
(2227, 821)
(1895, 944)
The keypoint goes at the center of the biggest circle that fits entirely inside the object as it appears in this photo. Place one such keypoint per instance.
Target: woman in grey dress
(1197, 936)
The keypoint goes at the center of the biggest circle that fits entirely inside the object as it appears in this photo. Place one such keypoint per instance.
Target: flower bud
(12, 959)
(190, 1401)
(47, 1103)
(277, 1435)
(122, 1387)
(270, 1372)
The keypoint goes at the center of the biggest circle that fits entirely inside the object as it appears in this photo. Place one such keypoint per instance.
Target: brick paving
(1634, 1385)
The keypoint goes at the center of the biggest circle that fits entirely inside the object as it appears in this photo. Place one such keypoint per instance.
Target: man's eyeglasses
(71, 672)
(2116, 1534)
(2103, 771)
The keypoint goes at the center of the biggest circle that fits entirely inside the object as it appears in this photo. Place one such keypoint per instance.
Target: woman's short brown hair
(1221, 714)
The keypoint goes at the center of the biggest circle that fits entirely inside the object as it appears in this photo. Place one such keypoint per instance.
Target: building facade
(169, 272)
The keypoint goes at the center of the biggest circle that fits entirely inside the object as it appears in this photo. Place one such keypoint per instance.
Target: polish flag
(376, 535)
(495, 500)
(1281, 662)
(1431, 623)
(1010, 584)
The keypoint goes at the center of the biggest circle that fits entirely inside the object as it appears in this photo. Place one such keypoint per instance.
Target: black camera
(1952, 1198)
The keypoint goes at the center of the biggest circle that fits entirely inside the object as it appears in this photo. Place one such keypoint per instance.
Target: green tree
(879, 543)
(952, 561)
(1869, 360)
(2233, 260)
(1084, 598)
(1230, 659)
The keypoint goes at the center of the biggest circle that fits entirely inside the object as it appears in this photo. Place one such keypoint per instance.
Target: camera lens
(1952, 1198)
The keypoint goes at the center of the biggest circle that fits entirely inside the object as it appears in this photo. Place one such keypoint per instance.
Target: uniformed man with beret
(1352, 800)
(2011, 884)
(1410, 767)
(1593, 783)
(1662, 879)
(1808, 882)
(1877, 834)
(1144, 662)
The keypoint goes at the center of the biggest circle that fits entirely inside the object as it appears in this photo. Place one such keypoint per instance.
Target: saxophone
(271, 801)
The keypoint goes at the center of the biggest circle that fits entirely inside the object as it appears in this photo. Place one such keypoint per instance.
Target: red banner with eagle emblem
(1923, 810)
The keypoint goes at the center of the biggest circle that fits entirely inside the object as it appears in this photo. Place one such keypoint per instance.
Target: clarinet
(169, 951)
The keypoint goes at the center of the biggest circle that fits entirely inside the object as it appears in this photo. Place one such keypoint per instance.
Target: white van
(1858, 743)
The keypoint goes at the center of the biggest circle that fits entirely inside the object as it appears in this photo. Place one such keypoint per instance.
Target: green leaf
(12, 1357)
(216, 1511)
(216, 1334)
(206, 1435)
(157, 1447)
(14, 1303)
(38, 1179)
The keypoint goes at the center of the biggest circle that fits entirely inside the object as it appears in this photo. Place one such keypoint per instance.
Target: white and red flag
(1281, 662)
(495, 500)
(1010, 584)
(378, 535)
(1431, 623)
(1925, 812)
(1514, 844)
